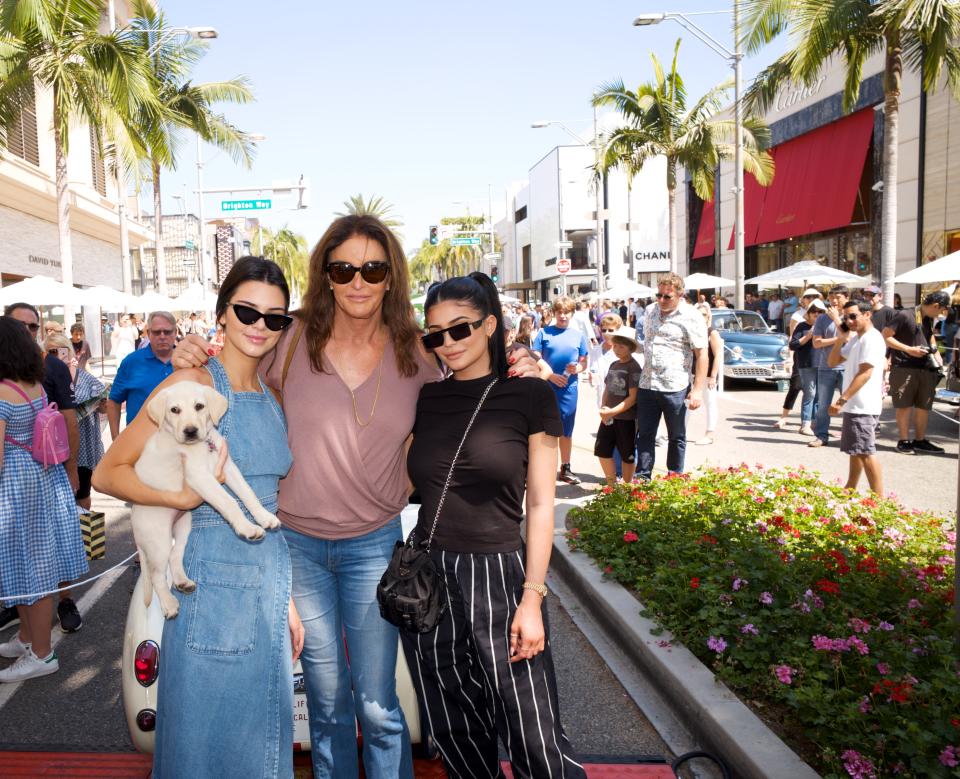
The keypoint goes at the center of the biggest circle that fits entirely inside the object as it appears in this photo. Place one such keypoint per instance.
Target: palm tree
(658, 123)
(919, 34)
(376, 206)
(184, 106)
(289, 250)
(94, 78)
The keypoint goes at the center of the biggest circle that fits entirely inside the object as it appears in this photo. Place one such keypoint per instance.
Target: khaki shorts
(913, 387)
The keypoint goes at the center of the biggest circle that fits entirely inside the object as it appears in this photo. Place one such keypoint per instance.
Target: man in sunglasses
(142, 370)
(674, 348)
(862, 353)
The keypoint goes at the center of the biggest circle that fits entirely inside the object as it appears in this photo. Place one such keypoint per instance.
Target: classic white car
(141, 667)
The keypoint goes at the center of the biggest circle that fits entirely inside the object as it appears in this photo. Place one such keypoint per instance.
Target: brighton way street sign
(258, 204)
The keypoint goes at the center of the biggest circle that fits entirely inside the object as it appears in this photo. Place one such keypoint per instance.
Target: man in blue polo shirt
(141, 371)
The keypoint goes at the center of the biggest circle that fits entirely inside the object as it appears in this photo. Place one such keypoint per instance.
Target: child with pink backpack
(40, 541)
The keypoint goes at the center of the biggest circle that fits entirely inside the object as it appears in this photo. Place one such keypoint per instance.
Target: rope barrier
(38, 595)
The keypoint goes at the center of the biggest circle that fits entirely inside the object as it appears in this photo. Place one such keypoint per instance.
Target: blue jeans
(650, 406)
(829, 380)
(808, 385)
(334, 588)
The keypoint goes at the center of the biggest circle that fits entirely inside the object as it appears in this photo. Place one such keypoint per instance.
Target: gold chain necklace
(376, 397)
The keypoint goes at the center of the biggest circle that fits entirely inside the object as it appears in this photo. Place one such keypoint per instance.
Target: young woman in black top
(485, 670)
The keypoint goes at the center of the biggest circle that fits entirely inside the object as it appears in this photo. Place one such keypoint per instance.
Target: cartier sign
(793, 94)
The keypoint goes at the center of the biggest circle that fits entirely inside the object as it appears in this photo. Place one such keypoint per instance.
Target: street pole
(597, 184)
(203, 246)
(738, 156)
(493, 243)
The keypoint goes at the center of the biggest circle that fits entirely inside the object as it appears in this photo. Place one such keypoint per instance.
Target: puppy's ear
(157, 408)
(216, 403)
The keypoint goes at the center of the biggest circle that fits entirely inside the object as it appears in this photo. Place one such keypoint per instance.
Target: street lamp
(735, 57)
(595, 145)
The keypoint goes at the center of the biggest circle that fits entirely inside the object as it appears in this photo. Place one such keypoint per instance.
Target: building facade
(181, 251)
(826, 199)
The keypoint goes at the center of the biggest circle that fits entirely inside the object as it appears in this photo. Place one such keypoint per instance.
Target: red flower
(706, 538)
(695, 583)
(870, 503)
(629, 537)
(607, 490)
(869, 565)
(608, 569)
(828, 587)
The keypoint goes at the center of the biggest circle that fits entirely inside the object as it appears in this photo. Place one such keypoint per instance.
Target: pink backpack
(50, 443)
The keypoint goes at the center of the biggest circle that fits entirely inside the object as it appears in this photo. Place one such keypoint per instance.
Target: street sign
(493, 256)
(467, 240)
(564, 244)
(563, 266)
(246, 205)
(189, 245)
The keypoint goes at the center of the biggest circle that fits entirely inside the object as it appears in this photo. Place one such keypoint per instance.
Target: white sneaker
(14, 647)
(806, 430)
(29, 666)
(780, 424)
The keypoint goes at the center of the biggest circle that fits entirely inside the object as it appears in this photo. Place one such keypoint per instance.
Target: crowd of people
(335, 413)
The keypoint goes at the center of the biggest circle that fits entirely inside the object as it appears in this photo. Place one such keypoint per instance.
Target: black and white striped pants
(469, 692)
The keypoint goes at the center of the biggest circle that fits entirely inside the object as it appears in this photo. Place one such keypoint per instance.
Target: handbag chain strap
(453, 464)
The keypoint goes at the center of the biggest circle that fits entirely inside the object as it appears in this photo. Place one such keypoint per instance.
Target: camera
(845, 327)
(932, 363)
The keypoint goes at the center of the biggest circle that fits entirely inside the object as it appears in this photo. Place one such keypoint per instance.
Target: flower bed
(832, 608)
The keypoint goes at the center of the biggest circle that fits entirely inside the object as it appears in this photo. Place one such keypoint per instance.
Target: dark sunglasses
(372, 272)
(608, 331)
(32, 327)
(664, 296)
(852, 317)
(457, 332)
(248, 316)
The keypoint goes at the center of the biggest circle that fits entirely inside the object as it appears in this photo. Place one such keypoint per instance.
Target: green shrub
(832, 608)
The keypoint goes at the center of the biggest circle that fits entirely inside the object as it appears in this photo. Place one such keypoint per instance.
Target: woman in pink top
(350, 370)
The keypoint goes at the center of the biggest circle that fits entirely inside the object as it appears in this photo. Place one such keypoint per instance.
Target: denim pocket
(226, 609)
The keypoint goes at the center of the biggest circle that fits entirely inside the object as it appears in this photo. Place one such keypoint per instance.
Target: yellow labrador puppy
(186, 449)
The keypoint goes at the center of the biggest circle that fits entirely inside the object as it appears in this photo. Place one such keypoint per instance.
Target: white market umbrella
(706, 281)
(108, 298)
(151, 301)
(505, 298)
(945, 269)
(191, 299)
(42, 291)
(628, 290)
(806, 273)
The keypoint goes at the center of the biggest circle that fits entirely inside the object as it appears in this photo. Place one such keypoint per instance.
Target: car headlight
(737, 352)
(784, 352)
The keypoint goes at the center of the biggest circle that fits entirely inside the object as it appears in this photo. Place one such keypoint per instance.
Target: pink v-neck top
(346, 480)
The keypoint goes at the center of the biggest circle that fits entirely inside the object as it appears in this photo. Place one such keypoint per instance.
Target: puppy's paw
(267, 520)
(251, 532)
(187, 585)
(170, 607)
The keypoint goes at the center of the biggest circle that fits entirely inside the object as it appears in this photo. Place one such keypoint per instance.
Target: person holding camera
(859, 349)
(915, 371)
(825, 331)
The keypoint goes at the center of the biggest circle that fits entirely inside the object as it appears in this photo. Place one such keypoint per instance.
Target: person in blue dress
(565, 349)
(40, 542)
(227, 657)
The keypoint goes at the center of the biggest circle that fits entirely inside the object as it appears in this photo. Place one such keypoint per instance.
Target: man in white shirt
(863, 353)
(775, 311)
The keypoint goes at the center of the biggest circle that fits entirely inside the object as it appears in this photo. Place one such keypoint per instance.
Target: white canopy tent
(151, 301)
(945, 269)
(806, 273)
(192, 299)
(706, 281)
(630, 289)
(43, 291)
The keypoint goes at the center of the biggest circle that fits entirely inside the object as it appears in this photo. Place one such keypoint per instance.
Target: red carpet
(92, 765)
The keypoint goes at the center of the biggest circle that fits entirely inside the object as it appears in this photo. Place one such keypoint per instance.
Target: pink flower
(864, 705)
(718, 645)
(949, 756)
(749, 629)
(629, 537)
(738, 583)
(859, 625)
(885, 626)
(766, 598)
(855, 643)
(857, 765)
(913, 603)
(883, 669)
(785, 673)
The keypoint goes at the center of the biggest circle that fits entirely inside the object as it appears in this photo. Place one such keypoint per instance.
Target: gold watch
(540, 589)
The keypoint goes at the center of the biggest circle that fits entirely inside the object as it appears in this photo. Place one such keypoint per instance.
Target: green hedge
(828, 611)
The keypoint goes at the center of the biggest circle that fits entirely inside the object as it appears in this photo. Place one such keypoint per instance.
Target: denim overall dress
(225, 700)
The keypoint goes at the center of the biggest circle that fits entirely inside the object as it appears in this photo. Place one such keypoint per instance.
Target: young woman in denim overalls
(225, 697)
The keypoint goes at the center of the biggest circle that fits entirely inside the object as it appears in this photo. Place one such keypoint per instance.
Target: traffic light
(434, 235)
(494, 273)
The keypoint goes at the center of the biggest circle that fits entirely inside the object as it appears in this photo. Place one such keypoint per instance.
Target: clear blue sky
(424, 103)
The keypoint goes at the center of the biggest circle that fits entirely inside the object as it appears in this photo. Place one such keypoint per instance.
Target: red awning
(815, 182)
(706, 233)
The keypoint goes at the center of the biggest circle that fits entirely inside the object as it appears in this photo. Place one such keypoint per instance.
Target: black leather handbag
(412, 592)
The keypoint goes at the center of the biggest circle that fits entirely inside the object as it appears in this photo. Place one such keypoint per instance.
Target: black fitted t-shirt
(484, 503)
(57, 383)
(908, 332)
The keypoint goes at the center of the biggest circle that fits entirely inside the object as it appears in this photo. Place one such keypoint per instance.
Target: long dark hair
(20, 356)
(397, 312)
(479, 291)
(251, 268)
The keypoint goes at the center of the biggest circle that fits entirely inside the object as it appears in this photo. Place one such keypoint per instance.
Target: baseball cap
(817, 303)
(873, 289)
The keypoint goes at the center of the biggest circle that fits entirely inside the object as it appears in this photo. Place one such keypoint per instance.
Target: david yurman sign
(37, 260)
